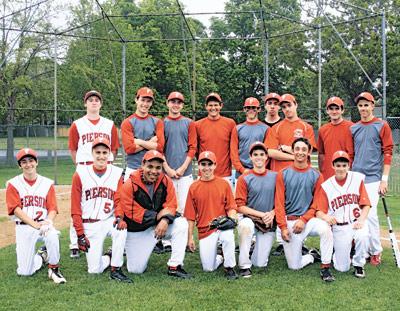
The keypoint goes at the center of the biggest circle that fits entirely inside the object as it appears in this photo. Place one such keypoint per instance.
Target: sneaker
(167, 249)
(304, 250)
(279, 251)
(74, 253)
(178, 272)
(42, 252)
(230, 274)
(326, 275)
(159, 248)
(313, 252)
(245, 273)
(118, 275)
(376, 260)
(219, 250)
(56, 276)
(359, 272)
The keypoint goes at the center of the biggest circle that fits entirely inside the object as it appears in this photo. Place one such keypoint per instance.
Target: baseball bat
(392, 236)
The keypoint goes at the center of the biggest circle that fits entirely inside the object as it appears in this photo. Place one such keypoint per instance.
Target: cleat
(375, 260)
(326, 275)
(279, 251)
(179, 272)
(74, 253)
(56, 276)
(304, 250)
(159, 248)
(42, 252)
(245, 273)
(230, 274)
(118, 275)
(359, 272)
(313, 252)
(167, 249)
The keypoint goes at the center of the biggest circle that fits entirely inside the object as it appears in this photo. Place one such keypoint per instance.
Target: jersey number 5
(107, 207)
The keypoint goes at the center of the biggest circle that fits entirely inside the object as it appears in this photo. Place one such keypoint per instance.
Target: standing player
(272, 109)
(141, 131)
(96, 213)
(373, 149)
(210, 197)
(214, 134)
(255, 194)
(31, 200)
(296, 186)
(333, 136)
(80, 137)
(344, 204)
(149, 204)
(245, 134)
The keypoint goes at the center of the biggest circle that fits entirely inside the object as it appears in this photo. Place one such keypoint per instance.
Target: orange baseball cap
(26, 152)
(287, 98)
(92, 93)
(335, 101)
(176, 95)
(213, 95)
(272, 96)
(258, 144)
(101, 141)
(145, 92)
(251, 102)
(340, 154)
(207, 155)
(365, 95)
(153, 154)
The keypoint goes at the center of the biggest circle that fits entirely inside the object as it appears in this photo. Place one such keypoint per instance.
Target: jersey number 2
(107, 207)
(38, 215)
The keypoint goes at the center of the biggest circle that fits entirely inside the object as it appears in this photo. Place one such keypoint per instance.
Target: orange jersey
(207, 200)
(331, 138)
(284, 133)
(215, 136)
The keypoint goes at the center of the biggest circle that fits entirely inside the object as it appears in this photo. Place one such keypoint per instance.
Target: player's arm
(192, 148)
(190, 215)
(234, 151)
(128, 138)
(321, 207)
(310, 136)
(157, 142)
(191, 244)
(387, 150)
(76, 209)
(73, 138)
(321, 151)
(230, 205)
(365, 206)
(25, 218)
(51, 203)
(114, 141)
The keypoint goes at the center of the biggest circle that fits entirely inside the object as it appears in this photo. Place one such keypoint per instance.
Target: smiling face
(93, 105)
(175, 106)
(28, 165)
(259, 157)
(335, 112)
(143, 105)
(366, 109)
(290, 110)
(207, 168)
(100, 155)
(301, 151)
(152, 170)
(341, 167)
(213, 108)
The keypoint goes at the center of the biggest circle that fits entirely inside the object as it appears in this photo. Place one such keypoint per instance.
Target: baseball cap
(25, 152)
(287, 98)
(340, 154)
(153, 154)
(92, 93)
(101, 141)
(335, 101)
(145, 92)
(176, 95)
(215, 96)
(365, 95)
(258, 144)
(272, 96)
(251, 102)
(207, 155)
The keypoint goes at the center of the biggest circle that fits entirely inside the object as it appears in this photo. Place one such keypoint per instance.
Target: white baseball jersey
(97, 200)
(343, 200)
(33, 197)
(88, 132)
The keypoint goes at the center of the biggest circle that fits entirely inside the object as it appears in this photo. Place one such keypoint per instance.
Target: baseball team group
(275, 195)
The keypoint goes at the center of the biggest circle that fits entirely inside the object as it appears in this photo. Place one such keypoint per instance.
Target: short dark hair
(341, 160)
(259, 148)
(304, 140)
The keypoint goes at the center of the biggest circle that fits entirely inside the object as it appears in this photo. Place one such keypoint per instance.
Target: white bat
(392, 236)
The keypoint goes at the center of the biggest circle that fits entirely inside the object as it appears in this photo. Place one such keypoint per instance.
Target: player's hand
(298, 226)
(246, 170)
(83, 243)
(383, 187)
(171, 173)
(154, 139)
(268, 218)
(120, 224)
(191, 245)
(285, 235)
(286, 149)
(180, 171)
(358, 224)
(161, 229)
(330, 220)
(162, 213)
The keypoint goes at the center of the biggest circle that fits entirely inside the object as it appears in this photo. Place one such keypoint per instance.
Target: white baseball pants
(182, 186)
(73, 237)
(375, 246)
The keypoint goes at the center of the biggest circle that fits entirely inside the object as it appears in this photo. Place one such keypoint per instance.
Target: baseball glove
(259, 224)
(222, 223)
(120, 224)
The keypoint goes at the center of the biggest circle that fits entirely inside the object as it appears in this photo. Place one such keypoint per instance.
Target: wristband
(385, 178)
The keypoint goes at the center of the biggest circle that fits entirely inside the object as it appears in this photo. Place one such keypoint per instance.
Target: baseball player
(141, 131)
(96, 212)
(210, 197)
(31, 201)
(272, 107)
(333, 136)
(245, 134)
(344, 204)
(373, 149)
(80, 137)
(255, 192)
(214, 134)
(149, 204)
(296, 186)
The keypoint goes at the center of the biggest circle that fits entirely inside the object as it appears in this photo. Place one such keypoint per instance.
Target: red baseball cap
(92, 93)
(153, 154)
(215, 96)
(340, 154)
(176, 95)
(287, 98)
(365, 95)
(251, 102)
(101, 141)
(26, 152)
(207, 155)
(272, 96)
(335, 101)
(145, 92)
(258, 144)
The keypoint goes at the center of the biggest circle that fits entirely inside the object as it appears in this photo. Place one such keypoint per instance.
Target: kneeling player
(96, 212)
(210, 197)
(344, 204)
(149, 204)
(31, 200)
(255, 194)
(296, 186)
